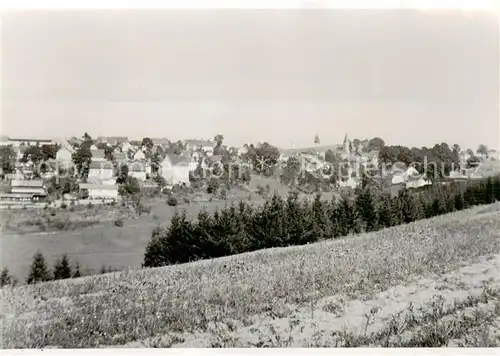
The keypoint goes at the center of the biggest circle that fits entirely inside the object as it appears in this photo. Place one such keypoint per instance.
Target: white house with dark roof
(102, 170)
(204, 145)
(175, 169)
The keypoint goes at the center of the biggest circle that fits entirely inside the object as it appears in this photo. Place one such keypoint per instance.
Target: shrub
(64, 206)
(76, 272)
(119, 222)
(6, 278)
(172, 201)
(213, 185)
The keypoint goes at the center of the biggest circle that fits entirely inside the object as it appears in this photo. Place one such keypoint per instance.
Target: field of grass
(100, 244)
(430, 283)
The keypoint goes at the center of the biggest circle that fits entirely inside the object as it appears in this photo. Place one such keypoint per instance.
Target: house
(98, 155)
(137, 170)
(28, 189)
(112, 141)
(120, 157)
(102, 170)
(64, 156)
(410, 178)
(74, 141)
(311, 163)
(139, 155)
(203, 145)
(16, 142)
(126, 146)
(175, 169)
(243, 150)
(4, 141)
(100, 191)
(160, 142)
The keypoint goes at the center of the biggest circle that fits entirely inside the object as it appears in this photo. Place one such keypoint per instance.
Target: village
(160, 163)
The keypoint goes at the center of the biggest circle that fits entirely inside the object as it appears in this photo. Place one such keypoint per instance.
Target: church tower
(346, 145)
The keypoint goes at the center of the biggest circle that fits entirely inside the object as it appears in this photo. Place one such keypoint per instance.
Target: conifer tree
(62, 268)
(385, 213)
(366, 209)
(38, 271)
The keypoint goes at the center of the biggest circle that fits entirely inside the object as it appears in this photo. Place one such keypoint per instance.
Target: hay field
(430, 283)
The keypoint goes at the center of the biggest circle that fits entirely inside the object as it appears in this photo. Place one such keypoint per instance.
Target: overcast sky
(280, 76)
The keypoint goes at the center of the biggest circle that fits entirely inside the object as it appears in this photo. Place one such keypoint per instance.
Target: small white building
(64, 156)
(137, 170)
(203, 145)
(175, 169)
(101, 170)
(100, 191)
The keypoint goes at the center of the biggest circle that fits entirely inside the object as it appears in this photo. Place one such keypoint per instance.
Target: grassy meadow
(430, 283)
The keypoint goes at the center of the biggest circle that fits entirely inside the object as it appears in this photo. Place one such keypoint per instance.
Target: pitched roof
(177, 160)
(101, 165)
(37, 183)
(199, 142)
(160, 141)
(120, 156)
(98, 153)
(113, 140)
(137, 168)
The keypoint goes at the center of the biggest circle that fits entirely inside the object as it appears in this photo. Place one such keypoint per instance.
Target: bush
(172, 201)
(119, 222)
(6, 278)
(213, 185)
(64, 206)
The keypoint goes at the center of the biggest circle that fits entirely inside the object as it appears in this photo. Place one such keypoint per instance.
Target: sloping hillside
(349, 292)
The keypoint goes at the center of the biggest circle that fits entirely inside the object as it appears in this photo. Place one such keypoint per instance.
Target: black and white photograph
(309, 177)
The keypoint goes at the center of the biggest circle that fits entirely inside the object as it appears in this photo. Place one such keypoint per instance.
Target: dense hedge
(289, 221)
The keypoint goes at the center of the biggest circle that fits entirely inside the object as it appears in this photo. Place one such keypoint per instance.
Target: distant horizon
(409, 77)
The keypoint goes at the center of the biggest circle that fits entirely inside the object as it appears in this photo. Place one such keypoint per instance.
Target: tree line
(40, 271)
(290, 221)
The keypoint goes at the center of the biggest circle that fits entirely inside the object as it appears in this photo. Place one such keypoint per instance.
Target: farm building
(29, 189)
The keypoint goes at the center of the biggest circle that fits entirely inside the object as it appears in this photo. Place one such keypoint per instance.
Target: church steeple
(347, 149)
